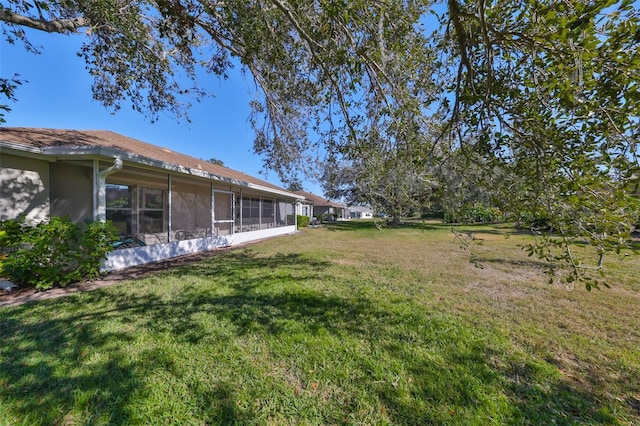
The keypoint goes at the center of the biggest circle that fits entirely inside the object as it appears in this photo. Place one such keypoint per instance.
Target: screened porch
(156, 208)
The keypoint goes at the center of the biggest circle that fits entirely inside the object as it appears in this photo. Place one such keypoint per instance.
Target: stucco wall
(120, 259)
(304, 209)
(24, 188)
(71, 191)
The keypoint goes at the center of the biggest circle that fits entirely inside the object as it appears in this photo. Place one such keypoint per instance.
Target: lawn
(344, 324)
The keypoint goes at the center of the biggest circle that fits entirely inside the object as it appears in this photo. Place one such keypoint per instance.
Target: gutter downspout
(100, 187)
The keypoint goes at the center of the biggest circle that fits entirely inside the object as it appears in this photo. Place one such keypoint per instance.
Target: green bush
(474, 213)
(326, 217)
(10, 237)
(56, 252)
(303, 221)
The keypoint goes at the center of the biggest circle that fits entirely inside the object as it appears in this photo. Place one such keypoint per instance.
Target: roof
(362, 209)
(70, 142)
(318, 201)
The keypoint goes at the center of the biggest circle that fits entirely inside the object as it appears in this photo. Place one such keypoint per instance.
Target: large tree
(320, 68)
(392, 170)
(550, 91)
(546, 90)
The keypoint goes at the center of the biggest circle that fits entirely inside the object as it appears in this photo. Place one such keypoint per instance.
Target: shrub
(303, 221)
(326, 217)
(474, 213)
(56, 252)
(3, 254)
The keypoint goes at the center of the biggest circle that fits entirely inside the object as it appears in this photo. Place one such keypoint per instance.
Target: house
(324, 209)
(305, 208)
(171, 204)
(360, 212)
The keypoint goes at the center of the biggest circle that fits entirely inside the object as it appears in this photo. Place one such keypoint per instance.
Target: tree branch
(311, 43)
(55, 26)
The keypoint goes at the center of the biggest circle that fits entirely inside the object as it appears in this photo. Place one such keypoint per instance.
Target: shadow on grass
(536, 264)
(48, 373)
(502, 229)
(37, 361)
(363, 224)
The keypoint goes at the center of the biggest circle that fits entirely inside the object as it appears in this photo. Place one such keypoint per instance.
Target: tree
(395, 177)
(8, 87)
(548, 90)
(545, 90)
(464, 180)
(294, 185)
(311, 62)
(216, 161)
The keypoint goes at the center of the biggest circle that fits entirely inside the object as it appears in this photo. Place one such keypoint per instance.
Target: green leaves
(54, 253)
(544, 92)
(569, 138)
(8, 88)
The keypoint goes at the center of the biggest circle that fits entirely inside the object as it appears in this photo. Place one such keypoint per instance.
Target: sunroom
(162, 203)
(160, 208)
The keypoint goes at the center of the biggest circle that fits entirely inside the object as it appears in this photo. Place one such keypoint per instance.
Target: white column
(100, 188)
(169, 225)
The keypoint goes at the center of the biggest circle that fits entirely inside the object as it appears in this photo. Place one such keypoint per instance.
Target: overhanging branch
(54, 26)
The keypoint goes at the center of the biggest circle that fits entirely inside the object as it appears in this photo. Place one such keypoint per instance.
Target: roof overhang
(275, 191)
(55, 153)
(24, 151)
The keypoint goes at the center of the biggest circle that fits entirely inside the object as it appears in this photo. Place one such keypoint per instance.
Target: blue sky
(58, 95)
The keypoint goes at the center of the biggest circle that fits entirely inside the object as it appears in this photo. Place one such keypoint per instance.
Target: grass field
(344, 324)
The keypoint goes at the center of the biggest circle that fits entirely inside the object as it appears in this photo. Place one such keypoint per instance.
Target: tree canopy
(544, 92)
(217, 161)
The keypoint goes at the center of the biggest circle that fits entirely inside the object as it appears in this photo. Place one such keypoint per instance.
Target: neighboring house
(360, 212)
(173, 203)
(305, 208)
(323, 208)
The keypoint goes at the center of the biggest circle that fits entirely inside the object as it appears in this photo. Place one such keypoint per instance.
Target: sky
(58, 95)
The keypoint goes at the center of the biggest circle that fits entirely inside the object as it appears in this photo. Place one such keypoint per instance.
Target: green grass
(339, 325)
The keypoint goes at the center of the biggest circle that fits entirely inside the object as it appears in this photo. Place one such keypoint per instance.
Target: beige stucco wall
(24, 188)
(72, 191)
(305, 209)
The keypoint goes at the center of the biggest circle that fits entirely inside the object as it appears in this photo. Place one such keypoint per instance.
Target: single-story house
(360, 212)
(304, 207)
(171, 204)
(323, 208)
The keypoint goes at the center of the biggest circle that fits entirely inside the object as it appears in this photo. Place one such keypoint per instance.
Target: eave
(55, 153)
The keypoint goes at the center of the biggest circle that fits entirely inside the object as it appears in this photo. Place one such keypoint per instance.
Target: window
(146, 216)
(285, 213)
(119, 208)
(151, 210)
(250, 208)
(267, 213)
(250, 213)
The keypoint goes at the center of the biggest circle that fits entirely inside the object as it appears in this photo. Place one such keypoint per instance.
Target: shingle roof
(47, 138)
(317, 200)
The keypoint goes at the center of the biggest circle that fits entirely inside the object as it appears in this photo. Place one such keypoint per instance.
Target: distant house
(304, 207)
(360, 212)
(171, 203)
(324, 209)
